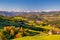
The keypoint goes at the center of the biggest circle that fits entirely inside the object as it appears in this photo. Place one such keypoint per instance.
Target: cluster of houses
(53, 31)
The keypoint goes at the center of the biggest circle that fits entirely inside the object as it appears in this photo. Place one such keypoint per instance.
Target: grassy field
(43, 37)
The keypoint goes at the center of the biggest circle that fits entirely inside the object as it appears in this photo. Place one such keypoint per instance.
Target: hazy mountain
(6, 13)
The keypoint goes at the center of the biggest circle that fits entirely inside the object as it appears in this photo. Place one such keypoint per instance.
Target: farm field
(43, 37)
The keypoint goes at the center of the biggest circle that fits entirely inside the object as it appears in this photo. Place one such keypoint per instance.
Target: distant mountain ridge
(6, 13)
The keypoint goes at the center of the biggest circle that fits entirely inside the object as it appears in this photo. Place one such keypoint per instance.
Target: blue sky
(29, 5)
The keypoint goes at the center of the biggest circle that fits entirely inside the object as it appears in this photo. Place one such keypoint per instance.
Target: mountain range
(6, 13)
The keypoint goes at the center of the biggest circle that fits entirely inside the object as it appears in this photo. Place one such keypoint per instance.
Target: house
(58, 32)
(49, 32)
(39, 21)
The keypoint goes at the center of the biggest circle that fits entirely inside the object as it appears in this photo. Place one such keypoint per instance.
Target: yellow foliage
(18, 35)
(5, 29)
(11, 32)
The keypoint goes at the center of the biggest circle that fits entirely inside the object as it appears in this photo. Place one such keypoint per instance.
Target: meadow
(39, 37)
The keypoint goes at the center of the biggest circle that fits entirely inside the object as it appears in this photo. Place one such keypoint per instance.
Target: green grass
(43, 37)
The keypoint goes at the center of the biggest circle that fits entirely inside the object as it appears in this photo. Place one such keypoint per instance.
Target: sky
(26, 5)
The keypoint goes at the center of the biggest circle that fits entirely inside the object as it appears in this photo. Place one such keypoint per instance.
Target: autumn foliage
(10, 32)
